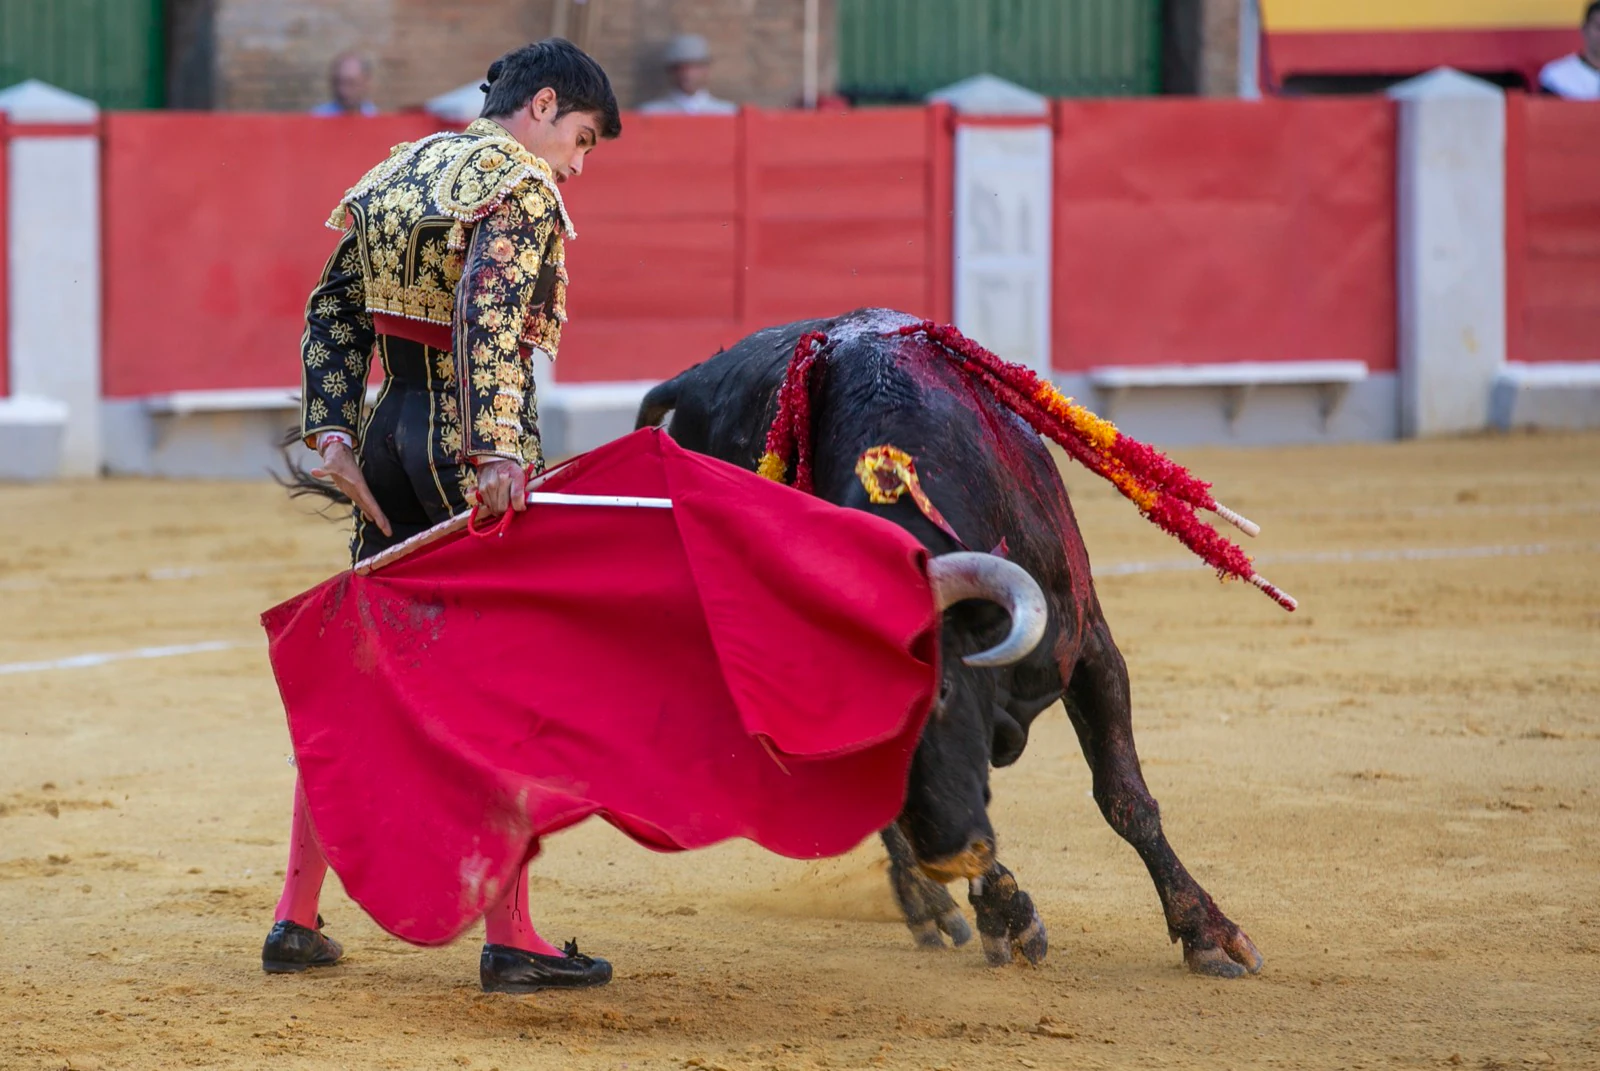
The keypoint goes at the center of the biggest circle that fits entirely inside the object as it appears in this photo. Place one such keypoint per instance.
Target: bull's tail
(297, 481)
(659, 401)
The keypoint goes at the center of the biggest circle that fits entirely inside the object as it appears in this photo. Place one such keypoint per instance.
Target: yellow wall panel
(1344, 16)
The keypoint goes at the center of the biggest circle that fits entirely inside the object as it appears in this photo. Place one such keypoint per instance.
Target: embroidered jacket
(455, 241)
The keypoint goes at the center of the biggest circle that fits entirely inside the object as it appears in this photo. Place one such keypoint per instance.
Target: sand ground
(1395, 791)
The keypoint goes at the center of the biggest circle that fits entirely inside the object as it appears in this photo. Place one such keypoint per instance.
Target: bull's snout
(973, 861)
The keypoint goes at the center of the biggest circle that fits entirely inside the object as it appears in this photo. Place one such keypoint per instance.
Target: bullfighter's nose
(973, 861)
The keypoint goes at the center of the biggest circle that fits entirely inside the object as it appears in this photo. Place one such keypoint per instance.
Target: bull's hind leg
(924, 903)
(1097, 702)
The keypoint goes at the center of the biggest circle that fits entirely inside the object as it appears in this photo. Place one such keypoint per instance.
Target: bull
(995, 484)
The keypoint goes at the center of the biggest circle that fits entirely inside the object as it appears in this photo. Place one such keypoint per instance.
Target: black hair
(579, 82)
(1591, 11)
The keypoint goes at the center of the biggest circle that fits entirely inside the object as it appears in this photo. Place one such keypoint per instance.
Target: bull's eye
(945, 689)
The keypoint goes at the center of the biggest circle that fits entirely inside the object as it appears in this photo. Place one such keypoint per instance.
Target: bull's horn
(967, 575)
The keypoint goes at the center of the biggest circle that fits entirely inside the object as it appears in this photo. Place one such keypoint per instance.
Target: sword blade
(556, 498)
(459, 521)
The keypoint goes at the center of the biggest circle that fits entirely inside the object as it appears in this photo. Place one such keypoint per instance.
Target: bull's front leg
(1008, 922)
(924, 903)
(1097, 702)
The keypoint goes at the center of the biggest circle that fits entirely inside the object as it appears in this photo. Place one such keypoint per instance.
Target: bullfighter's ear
(1002, 549)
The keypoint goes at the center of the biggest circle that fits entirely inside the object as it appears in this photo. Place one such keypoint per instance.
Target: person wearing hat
(688, 63)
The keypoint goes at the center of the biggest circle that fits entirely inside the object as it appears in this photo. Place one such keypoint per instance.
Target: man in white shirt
(1577, 76)
(350, 79)
(688, 63)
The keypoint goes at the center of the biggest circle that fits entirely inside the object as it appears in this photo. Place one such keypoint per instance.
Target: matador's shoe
(503, 969)
(291, 948)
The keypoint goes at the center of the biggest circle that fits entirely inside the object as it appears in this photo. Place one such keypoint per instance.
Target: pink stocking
(302, 880)
(507, 922)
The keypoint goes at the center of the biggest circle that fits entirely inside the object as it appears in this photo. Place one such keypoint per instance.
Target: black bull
(997, 487)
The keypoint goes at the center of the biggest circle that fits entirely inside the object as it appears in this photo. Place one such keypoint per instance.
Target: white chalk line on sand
(101, 658)
(1337, 557)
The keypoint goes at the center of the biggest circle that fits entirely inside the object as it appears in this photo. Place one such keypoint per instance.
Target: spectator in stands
(1577, 76)
(350, 78)
(688, 63)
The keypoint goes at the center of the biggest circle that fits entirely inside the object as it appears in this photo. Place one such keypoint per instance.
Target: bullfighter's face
(562, 141)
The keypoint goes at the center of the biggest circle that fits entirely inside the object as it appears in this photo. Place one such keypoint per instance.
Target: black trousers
(409, 453)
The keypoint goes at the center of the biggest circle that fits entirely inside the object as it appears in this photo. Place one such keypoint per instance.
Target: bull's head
(946, 815)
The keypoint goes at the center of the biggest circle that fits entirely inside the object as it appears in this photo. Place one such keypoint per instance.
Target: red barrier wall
(692, 233)
(213, 237)
(1552, 230)
(1193, 231)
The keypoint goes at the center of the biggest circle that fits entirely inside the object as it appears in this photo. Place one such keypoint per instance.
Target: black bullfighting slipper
(291, 948)
(504, 969)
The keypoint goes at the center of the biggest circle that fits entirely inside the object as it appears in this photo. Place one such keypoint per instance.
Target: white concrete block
(575, 418)
(1564, 395)
(1452, 258)
(54, 265)
(987, 94)
(31, 432)
(33, 101)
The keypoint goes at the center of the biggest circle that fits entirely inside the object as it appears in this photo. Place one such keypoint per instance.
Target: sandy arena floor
(1396, 792)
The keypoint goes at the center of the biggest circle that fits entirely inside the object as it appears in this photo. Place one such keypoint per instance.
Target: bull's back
(723, 406)
(984, 468)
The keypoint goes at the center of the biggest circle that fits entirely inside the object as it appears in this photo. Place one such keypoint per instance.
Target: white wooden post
(1451, 228)
(54, 266)
(1004, 187)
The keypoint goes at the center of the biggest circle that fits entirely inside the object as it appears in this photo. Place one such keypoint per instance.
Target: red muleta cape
(753, 662)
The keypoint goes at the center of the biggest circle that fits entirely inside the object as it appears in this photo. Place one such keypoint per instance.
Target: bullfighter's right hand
(502, 485)
(339, 464)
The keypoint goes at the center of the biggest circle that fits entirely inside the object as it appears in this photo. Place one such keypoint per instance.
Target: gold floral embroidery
(405, 257)
(338, 329)
(468, 482)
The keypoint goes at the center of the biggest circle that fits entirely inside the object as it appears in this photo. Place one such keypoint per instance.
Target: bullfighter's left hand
(502, 485)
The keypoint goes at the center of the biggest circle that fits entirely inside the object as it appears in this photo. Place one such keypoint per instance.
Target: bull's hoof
(997, 950)
(930, 933)
(955, 927)
(1233, 958)
(927, 935)
(1033, 943)
(1007, 920)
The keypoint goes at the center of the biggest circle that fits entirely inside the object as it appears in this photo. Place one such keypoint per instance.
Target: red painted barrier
(692, 232)
(1552, 230)
(1192, 231)
(213, 237)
